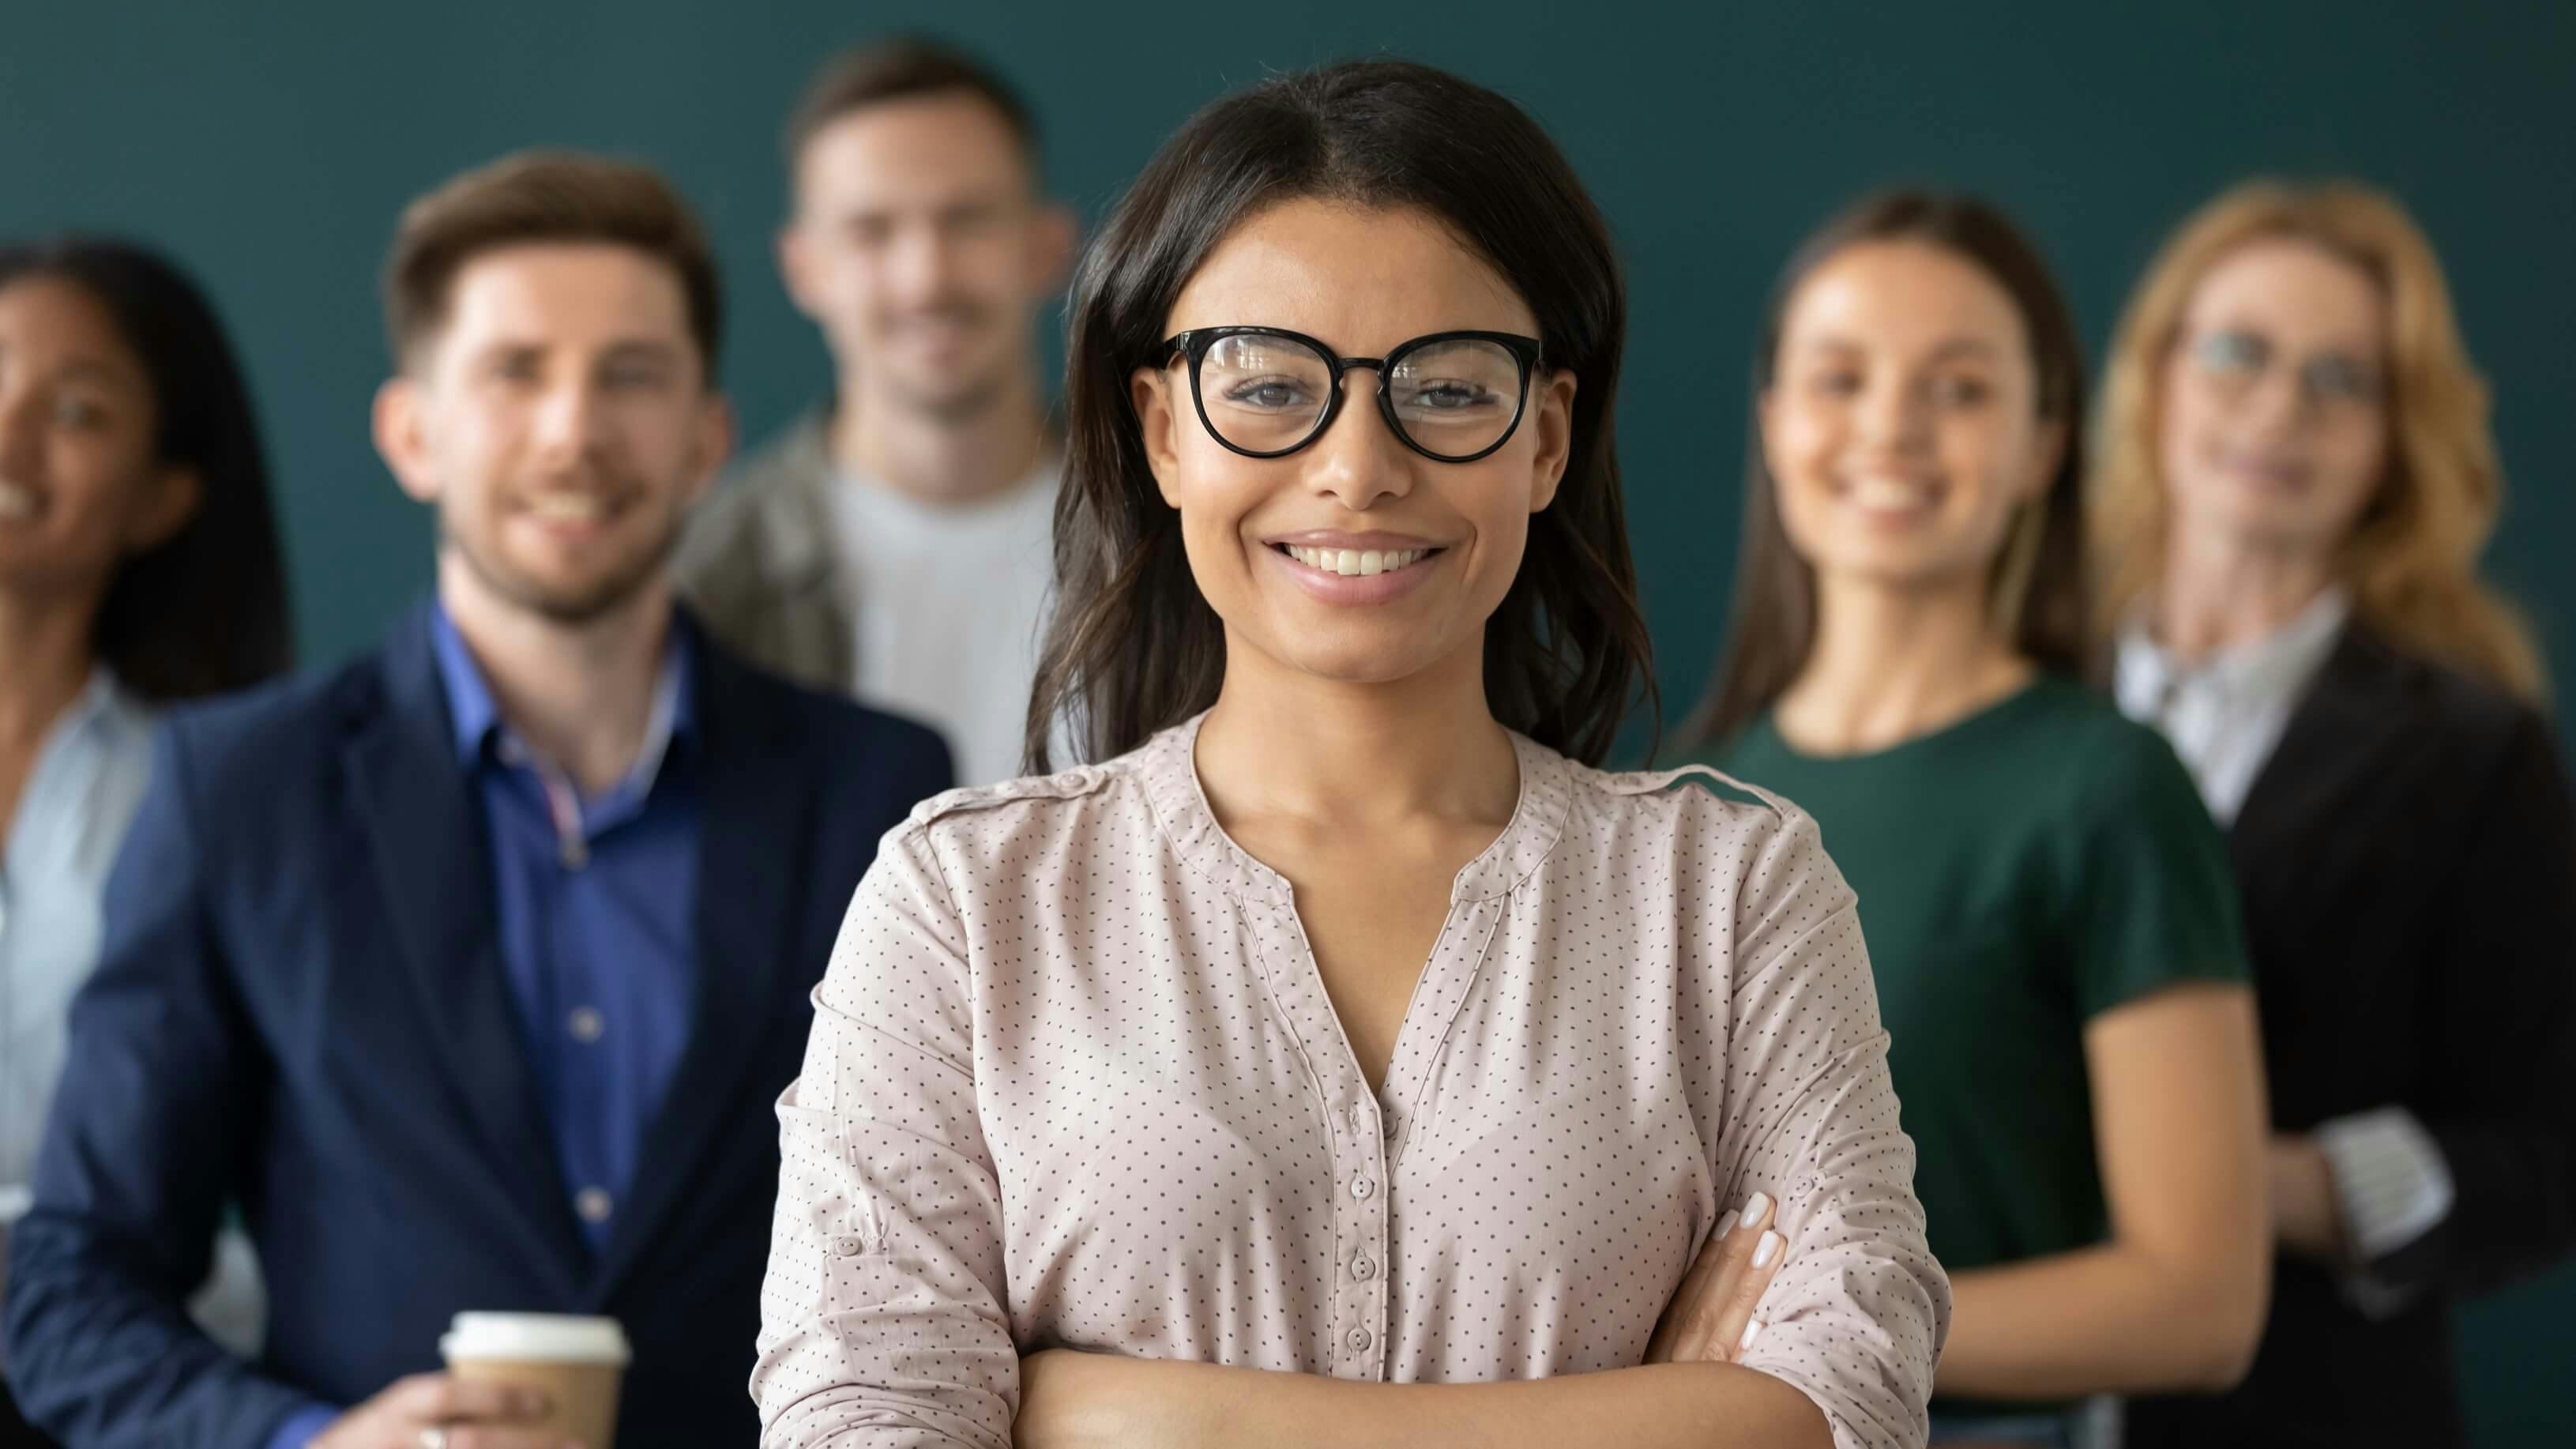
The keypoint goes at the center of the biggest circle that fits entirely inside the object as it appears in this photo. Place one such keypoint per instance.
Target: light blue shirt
(71, 817)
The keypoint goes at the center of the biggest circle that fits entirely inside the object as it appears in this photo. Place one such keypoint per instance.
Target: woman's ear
(1151, 390)
(1553, 402)
(2047, 454)
(173, 497)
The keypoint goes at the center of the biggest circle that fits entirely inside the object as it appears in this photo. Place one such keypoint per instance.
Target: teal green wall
(271, 143)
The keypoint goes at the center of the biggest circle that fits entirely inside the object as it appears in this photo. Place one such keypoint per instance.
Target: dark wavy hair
(2039, 584)
(1134, 647)
(204, 611)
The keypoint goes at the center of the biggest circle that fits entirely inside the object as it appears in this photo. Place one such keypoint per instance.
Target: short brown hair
(544, 196)
(902, 68)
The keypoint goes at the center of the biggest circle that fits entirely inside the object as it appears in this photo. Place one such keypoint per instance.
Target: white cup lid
(535, 1338)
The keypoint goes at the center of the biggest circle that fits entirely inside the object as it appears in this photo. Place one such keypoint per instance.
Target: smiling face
(2273, 430)
(1902, 426)
(1355, 558)
(921, 247)
(80, 487)
(560, 420)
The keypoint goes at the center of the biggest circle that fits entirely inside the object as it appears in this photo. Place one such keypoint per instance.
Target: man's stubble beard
(588, 606)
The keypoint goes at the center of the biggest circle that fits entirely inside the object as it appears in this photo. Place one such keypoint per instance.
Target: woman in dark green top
(2048, 909)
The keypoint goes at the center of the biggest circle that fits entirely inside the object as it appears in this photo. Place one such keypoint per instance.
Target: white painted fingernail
(1766, 1250)
(1754, 1210)
(1751, 1328)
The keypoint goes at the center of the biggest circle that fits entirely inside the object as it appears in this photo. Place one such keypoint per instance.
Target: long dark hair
(2039, 583)
(204, 611)
(1134, 647)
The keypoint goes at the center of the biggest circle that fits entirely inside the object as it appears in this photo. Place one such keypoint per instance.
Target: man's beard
(954, 401)
(570, 607)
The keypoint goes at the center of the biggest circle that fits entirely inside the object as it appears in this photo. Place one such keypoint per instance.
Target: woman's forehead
(1361, 279)
(56, 326)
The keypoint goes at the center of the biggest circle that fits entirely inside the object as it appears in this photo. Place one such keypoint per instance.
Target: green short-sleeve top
(2019, 872)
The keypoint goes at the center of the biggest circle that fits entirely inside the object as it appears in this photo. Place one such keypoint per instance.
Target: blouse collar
(1168, 766)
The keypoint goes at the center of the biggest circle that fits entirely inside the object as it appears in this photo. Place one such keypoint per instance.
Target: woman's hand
(1711, 1319)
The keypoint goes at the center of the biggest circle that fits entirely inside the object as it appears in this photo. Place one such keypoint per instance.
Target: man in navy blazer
(469, 972)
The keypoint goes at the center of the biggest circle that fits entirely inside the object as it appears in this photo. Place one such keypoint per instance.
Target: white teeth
(17, 502)
(1356, 563)
(567, 507)
(1891, 494)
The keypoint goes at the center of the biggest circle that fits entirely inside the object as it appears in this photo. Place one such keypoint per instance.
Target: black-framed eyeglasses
(1265, 392)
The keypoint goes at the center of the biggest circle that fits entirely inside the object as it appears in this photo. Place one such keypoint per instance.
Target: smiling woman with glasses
(2296, 482)
(1341, 1058)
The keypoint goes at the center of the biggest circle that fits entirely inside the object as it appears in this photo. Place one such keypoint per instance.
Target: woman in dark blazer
(2295, 479)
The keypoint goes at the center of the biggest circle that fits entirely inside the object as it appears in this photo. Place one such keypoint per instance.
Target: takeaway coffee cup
(576, 1362)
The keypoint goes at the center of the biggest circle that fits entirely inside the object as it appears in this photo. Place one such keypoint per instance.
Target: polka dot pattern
(1074, 1081)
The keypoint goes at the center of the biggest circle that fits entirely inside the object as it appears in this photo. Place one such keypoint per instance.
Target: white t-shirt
(950, 604)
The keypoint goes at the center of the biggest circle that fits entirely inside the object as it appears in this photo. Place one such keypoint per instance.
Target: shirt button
(586, 1024)
(848, 1245)
(1361, 1187)
(1360, 1340)
(1361, 1267)
(594, 1205)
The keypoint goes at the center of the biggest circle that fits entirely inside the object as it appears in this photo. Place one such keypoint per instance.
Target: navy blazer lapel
(752, 855)
(424, 825)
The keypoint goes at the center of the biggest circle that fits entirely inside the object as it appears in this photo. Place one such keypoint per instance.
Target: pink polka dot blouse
(1074, 1082)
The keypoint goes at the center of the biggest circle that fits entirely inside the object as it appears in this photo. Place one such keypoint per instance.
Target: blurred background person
(894, 543)
(2295, 484)
(460, 965)
(139, 566)
(2047, 909)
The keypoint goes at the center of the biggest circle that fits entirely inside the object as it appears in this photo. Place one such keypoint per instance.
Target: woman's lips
(1356, 576)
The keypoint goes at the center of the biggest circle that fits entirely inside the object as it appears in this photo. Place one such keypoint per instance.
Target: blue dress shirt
(595, 904)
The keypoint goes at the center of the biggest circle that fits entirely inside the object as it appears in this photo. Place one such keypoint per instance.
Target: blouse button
(848, 1245)
(1361, 1267)
(1361, 1187)
(1360, 1340)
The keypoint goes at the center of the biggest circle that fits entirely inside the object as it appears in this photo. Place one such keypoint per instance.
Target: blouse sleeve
(1858, 1312)
(882, 1317)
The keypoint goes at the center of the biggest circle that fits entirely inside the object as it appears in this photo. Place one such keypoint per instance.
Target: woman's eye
(81, 413)
(1836, 382)
(2234, 352)
(1960, 392)
(2340, 379)
(1266, 393)
(1450, 396)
